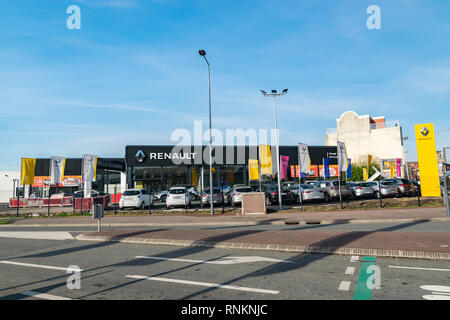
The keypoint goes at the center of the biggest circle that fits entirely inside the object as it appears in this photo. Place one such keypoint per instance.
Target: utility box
(253, 203)
(98, 211)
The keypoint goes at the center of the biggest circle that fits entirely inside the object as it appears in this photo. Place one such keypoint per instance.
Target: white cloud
(429, 79)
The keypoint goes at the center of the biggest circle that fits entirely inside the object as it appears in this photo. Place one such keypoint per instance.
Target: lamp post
(274, 94)
(404, 153)
(211, 191)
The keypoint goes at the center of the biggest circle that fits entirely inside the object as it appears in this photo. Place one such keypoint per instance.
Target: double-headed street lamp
(211, 191)
(274, 94)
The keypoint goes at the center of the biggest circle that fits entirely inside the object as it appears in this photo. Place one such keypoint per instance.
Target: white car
(178, 196)
(135, 198)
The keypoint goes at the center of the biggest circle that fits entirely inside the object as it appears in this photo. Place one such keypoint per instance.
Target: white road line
(443, 293)
(350, 270)
(443, 289)
(42, 266)
(43, 295)
(418, 268)
(436, 297)
(37, 235)
(344, 286)
(204, 284)
(354, 258)
(227, 260)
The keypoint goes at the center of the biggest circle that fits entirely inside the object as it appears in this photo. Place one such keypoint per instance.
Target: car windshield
(177, 191)
(131, 193)
(307, 186)
(244, 190)
(363, 184)
(336, 183)
(387, 183)
(215, 191)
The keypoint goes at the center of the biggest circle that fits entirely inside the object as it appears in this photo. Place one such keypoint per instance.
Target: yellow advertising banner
(428, 164)
(365, 176)
(27, 171)
(266, 159)
(253, 169)
(139, 184)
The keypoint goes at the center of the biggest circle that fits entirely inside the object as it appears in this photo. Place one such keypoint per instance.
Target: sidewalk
(335, 217)
(382, 243)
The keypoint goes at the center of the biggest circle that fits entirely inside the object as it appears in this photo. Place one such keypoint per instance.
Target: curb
(274, 247)
(242, 223)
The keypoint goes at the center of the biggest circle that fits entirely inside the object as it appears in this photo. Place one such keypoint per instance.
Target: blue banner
(326, 167)
(349, 168)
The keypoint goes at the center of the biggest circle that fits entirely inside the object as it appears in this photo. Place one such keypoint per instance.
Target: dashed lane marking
(350, 270)
(344, 286)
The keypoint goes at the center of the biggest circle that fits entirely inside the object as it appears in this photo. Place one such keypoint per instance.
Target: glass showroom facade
(159, 167)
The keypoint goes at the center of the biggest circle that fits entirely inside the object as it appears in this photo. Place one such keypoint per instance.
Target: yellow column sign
(428, 164)
(365, 176)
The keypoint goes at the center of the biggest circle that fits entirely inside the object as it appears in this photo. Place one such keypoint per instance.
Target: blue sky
(132, 74)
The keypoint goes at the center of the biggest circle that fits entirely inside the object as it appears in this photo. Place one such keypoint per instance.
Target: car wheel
(268, 202)
(326, 197)
(163, 198)
(142, 206)
(377, 194)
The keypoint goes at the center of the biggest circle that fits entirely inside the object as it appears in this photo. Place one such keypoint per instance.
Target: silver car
(234, 196)
(362, 190)
(332, 188)
(161, 195)
(217, 197)
(388, 189)
(311, 192)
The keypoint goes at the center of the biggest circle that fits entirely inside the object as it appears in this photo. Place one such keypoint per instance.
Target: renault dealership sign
(428, 163)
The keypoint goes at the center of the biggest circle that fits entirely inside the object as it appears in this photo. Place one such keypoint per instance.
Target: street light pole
(211, 191)
(274, 94)
(404, 154)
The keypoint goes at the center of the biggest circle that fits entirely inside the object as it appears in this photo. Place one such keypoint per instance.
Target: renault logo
(424, 131)
(140, 156)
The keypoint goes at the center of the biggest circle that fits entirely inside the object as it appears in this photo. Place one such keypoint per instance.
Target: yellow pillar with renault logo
(428, 164)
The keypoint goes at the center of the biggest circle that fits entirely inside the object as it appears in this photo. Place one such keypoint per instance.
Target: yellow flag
(392, 163)
(27, 174)
(365, 176)
(253, 169)
(194, 177)
(266, 159)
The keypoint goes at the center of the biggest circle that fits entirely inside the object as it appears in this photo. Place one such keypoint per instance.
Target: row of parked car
(184, 195)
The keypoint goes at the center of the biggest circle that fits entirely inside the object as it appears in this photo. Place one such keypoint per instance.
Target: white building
(364, 135)
(7, 185)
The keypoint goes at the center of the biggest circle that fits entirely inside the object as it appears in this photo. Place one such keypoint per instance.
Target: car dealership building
(160, 166)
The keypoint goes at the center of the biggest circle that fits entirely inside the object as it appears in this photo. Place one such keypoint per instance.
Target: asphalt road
(118, 271)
